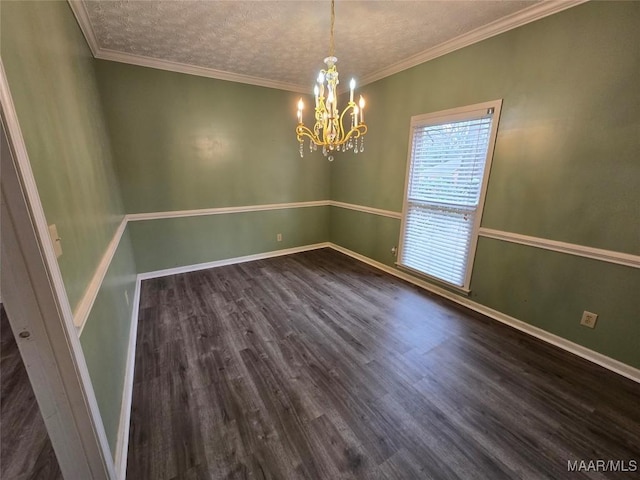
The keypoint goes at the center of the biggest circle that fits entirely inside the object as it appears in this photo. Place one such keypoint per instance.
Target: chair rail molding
(609, 256)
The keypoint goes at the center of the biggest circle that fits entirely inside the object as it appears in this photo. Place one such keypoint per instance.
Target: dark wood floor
(316, 366)
(25, 449)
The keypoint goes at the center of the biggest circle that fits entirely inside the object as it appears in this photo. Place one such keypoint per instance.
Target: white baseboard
(125, 416)
(586, 353)
(122, 448)
(230, 261)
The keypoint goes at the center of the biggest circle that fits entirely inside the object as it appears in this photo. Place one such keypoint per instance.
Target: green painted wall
(185, 142)
(175, 242)
(370, 235)
(98, 131)
(566, 167)
(550, 290)
(105, 337)
(53, 83)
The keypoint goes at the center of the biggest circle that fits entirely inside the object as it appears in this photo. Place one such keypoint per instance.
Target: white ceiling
(283, 43)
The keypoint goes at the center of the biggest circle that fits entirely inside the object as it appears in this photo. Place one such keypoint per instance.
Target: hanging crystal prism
(328, 130)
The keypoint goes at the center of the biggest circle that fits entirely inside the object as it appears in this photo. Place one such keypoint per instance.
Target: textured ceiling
(286, 41)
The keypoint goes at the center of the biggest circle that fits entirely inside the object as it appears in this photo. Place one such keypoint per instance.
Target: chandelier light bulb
(300, 107)
(329, 131)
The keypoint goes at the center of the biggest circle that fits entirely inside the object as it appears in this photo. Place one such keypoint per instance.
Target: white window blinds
(444, 185)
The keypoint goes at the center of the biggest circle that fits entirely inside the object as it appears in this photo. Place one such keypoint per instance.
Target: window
(449, 159)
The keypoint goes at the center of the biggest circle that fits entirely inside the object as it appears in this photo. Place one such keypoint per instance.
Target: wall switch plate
(55, 239)
(589, 319)
(279, 237)
(126, 297)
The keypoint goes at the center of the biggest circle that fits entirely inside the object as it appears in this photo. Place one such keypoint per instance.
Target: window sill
(441, 283)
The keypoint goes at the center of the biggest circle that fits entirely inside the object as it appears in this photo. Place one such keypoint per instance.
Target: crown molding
(82, 17)
(515, 20)
(142, 61)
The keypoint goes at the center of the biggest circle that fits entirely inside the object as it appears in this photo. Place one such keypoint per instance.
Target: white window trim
(450, 115)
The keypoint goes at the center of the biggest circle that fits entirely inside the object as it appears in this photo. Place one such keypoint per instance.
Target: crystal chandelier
(329, 131)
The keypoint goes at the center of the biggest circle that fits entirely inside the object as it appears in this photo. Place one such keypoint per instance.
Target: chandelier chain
(329, 130)
(333, 20)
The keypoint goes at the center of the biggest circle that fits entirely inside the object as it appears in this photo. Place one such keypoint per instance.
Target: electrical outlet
(394, 251)
(589, 319)
(279, 237)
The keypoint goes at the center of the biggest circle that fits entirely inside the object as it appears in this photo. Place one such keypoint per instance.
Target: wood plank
(318, 366)
(25, 449)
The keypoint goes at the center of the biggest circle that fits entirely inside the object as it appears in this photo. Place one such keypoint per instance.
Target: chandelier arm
(302, 131)
(341, 127)
(324, 134)
(361, 129)
(344, 138)
(329, 129)
(356, 132)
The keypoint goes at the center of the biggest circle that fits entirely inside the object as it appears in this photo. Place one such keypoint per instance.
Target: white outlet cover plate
(589, 319)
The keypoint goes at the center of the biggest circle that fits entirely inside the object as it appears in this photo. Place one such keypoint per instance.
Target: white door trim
(36, 302)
